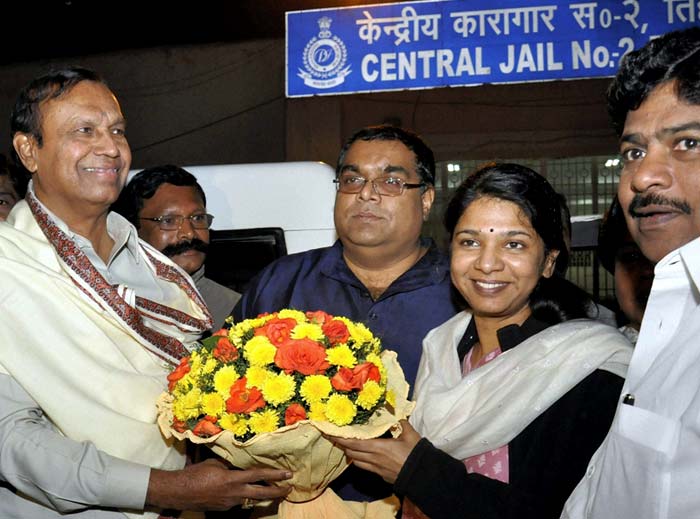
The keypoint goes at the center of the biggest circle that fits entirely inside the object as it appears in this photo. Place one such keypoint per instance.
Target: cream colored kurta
(95, 378)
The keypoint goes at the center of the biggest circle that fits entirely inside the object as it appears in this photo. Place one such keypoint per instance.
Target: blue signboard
(440, 43)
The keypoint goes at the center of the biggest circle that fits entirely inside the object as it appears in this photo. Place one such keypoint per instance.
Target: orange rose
(182, 370)
(342, 381)
(225, 351)
(347, 380)
(179, 425)
(294, 413)
(243, 399)
(336, 331)
(277, 330)
(364, 372)
(303, 355)
(221, 333)
(318, 317)
(206, 427)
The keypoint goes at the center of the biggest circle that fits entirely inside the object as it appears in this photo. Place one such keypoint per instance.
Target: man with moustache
(649, 464)
(169, 208)
(380, 271)
(91, 322)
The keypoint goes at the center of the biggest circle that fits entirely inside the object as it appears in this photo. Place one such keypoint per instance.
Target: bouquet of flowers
(263, 392)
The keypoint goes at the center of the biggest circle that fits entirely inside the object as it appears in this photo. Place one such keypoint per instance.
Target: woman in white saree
(516, 393)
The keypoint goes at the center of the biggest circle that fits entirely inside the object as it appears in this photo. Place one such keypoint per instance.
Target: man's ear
(25, 145)
(427, 199)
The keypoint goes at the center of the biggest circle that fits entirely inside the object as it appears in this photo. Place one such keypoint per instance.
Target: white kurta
(90, 376)
(648, 467)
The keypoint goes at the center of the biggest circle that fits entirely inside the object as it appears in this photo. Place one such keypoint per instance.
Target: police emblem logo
(325, 56)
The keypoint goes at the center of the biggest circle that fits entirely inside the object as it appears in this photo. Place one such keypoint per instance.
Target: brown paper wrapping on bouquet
(302, 449)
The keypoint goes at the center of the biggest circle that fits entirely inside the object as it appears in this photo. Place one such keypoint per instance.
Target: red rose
(182, 370)
(346, 379)
(318, 317)
(364, 372)
(225, 351)
(342, 381)
(243, 399)
(206, 427)
(294, 413)
(179, 425)
(277, 330)
(303, 355)
(336, 331)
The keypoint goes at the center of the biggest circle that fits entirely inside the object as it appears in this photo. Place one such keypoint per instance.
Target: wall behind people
(205, 104)
(224, 103)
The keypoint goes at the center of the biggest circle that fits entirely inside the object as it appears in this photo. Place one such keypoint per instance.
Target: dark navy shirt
(415, 303)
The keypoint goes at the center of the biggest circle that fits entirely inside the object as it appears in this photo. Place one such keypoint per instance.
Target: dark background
(59, 28)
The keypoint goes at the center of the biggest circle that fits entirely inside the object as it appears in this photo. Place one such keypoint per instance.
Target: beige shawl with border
(494, 403)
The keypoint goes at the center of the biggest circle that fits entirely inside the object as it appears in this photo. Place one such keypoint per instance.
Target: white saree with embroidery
(92, 355)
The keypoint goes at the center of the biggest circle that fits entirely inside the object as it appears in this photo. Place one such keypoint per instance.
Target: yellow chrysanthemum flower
(287, 313)
(315, 388)
(183, 386)
(264, 421)
(224, 379)
(340, 410)
(376, 346)
(188, 405)
(341, 355)
(234, 423)
(210, 365)
(317, 411)
(377, 361)
(259, 351)
(256, 376)
(213, 404)
(279, 389)
(195, 364)
(361, 334)
(307, 330)
(369, 395)
(391, 397)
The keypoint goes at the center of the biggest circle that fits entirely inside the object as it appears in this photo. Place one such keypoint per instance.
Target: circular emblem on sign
(324, 57)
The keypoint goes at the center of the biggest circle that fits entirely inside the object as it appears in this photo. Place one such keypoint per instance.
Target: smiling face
(8, 196)
(497, 260)
(390, 225)
(185, 246)
(660, 183)
(84, 159)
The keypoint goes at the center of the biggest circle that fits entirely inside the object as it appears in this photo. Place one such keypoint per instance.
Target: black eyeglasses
(384, 186)
(172, 222)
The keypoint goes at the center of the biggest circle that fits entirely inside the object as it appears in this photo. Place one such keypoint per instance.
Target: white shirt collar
(119, 229)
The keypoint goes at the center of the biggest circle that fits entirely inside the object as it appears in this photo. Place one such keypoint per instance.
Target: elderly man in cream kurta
(91, 322)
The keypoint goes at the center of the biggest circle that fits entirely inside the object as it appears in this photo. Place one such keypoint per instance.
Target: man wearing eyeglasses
(380, 271)
(167, 206)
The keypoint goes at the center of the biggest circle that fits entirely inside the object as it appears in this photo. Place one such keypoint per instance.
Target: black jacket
(546, 460)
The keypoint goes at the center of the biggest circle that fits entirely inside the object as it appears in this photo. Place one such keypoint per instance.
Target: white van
(264, 211)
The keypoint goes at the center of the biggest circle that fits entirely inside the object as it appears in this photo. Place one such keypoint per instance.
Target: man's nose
(106, 144)
(186, 228)
(653, 171)
(369, 191)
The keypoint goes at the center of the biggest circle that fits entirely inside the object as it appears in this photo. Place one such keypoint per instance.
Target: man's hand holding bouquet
(264, 392)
